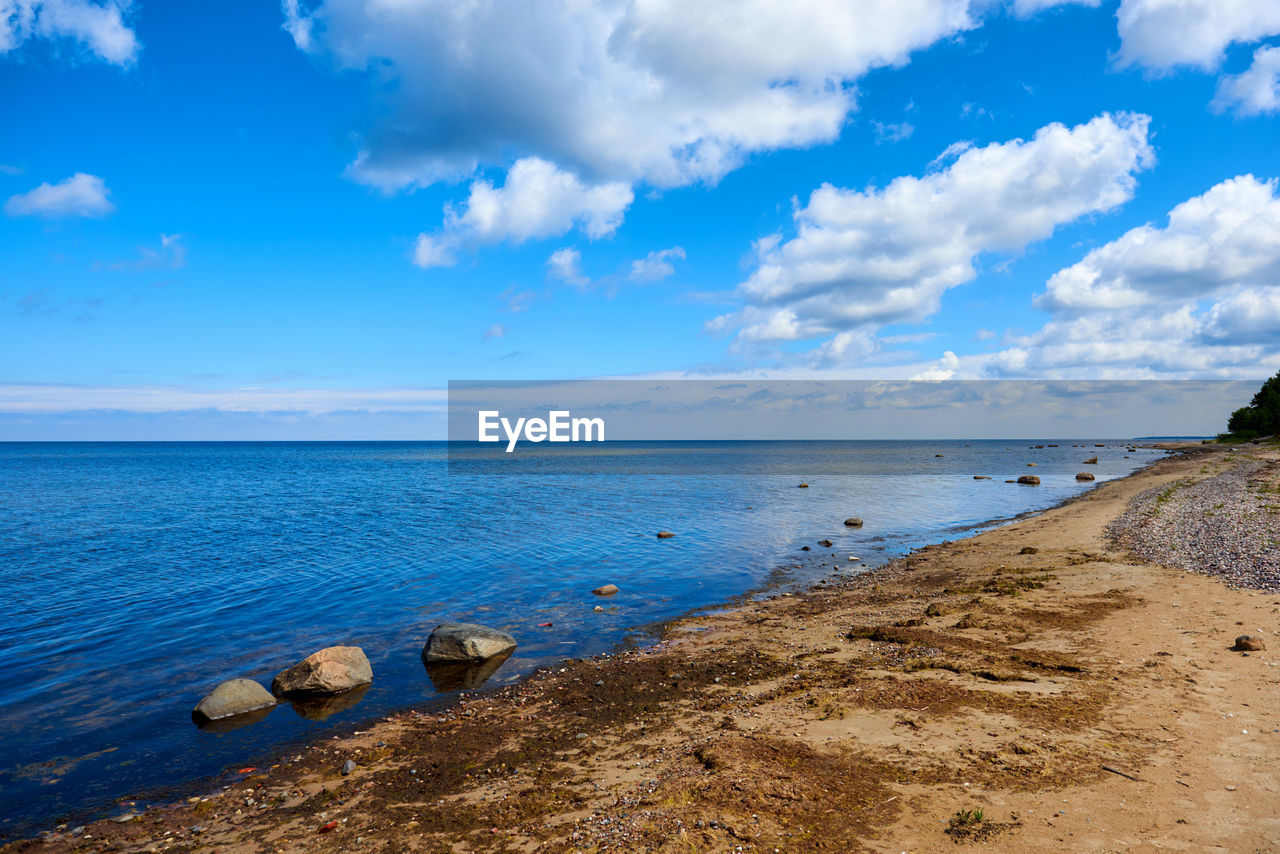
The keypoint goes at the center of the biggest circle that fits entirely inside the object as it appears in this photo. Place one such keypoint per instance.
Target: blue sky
(247, 220)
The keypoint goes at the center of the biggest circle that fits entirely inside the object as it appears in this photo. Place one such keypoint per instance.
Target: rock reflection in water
(320, 706)
(464, 675)
(232, 722)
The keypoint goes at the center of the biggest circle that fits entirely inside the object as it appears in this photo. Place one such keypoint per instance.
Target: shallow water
(134, 577)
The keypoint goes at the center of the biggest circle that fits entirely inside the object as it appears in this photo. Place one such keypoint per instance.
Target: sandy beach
(1036, 687)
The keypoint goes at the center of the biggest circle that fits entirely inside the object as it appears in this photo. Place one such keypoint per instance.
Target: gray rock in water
(1029, 480)
(461, 642)
(853, 522)
(1084, 475)
(329, 671)
(606, 590)
(1248, 643)
(233, 697)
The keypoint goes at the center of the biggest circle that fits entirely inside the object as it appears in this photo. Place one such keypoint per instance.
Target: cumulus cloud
(1256, 90)
(1163, 34)
(637, 90)
(564, 265)
(79, 195)
(538, 200)
(945, 368)
(1198, 296)
(1227, 237)
(98, 27)
(656, 265)
(867, 258)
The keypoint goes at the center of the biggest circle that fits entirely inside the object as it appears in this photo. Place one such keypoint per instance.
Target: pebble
(1219, 526)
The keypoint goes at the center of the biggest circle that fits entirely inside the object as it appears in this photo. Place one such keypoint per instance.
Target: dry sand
(1082, 700)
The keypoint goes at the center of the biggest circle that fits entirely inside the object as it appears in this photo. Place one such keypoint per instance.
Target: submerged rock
(825, 543)
(233, 697)
(329, 671)
(1029, 480)
(606, 590)
(465, 642)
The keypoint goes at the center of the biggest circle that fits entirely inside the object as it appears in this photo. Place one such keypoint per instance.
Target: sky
(248, 220)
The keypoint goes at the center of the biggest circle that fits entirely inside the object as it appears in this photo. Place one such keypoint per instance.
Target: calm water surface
(136, 577)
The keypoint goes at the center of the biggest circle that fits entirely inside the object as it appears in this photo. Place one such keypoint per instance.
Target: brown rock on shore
(329, 671)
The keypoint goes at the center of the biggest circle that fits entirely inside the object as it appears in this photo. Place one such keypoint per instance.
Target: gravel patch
(1227, 526)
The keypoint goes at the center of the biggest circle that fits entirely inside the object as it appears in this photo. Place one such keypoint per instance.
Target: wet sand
(1081, 699)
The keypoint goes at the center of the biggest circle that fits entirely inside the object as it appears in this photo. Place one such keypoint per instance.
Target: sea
(135, 577)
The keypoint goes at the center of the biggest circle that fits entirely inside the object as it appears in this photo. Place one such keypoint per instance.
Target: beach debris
(330, 671)
(1092, 461)
(454, 642)
(598, 608)
(1120, 773)
(803, 486)
(327, 826)
(1084, 475)
(1029, 480)
(1249, 643)
(825, 543)
(233, 697)
(853, 522)
(606, 590)
(665, 535)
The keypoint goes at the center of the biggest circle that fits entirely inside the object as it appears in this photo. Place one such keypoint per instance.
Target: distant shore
(1034, 686)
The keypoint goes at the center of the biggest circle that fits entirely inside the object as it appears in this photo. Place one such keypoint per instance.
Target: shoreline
(792, 570)
(722, 641)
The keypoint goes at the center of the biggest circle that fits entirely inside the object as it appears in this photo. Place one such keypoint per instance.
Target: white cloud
(79, 195)
(564, 265)
(495, 331)
(945, 368)
(1162, 34)
(866, 258)
(656, 265)
(538, 200)
(1199, 296)
(170, 255)
(1228, 237)
(1256, 90)
(1027, 8)
(892, 132)
(99, 27)
(659, 91)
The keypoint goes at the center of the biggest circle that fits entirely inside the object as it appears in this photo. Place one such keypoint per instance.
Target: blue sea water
(134, 577)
